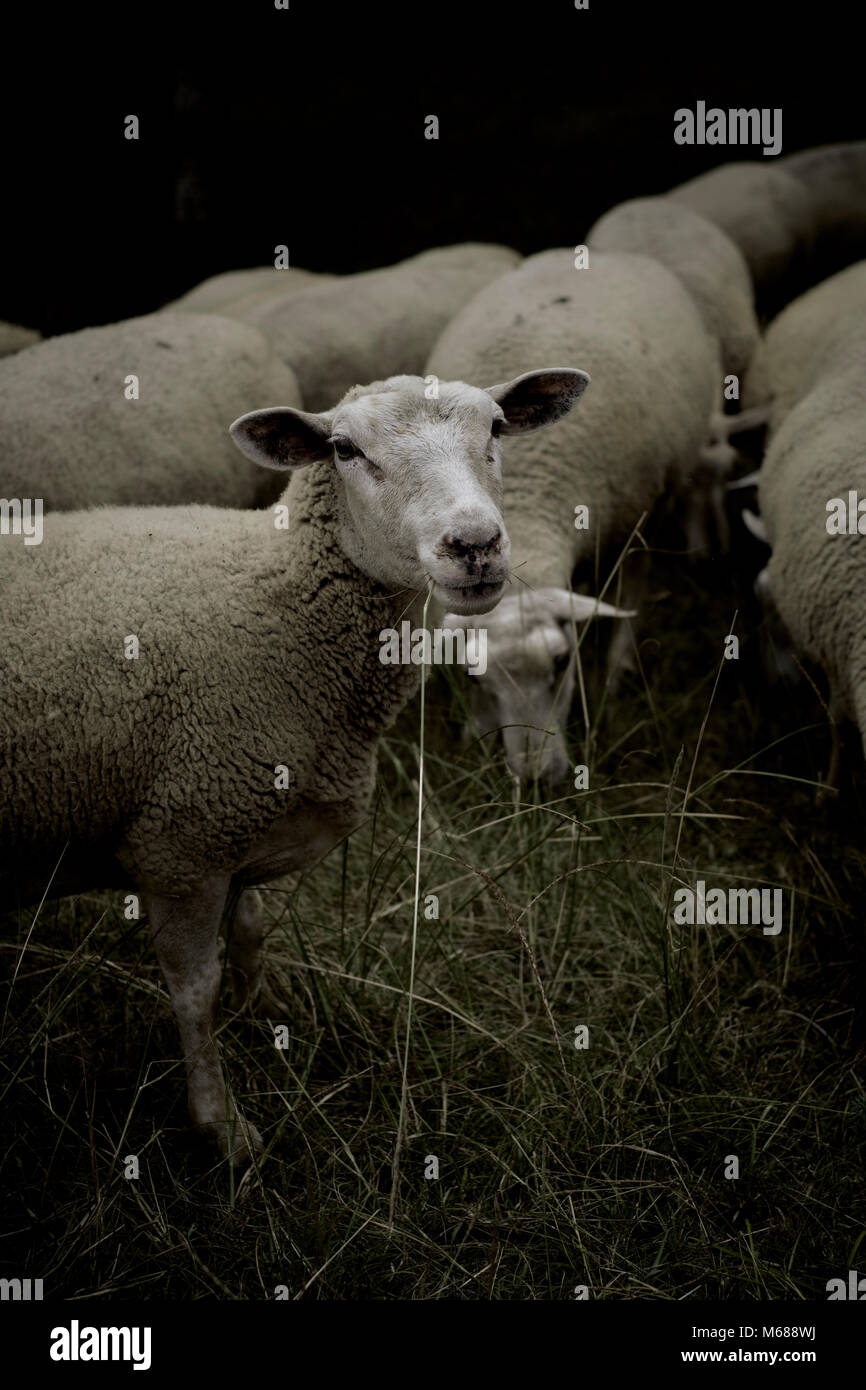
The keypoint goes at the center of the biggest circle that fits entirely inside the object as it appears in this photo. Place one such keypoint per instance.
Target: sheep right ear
(283, 437)
(538, 398)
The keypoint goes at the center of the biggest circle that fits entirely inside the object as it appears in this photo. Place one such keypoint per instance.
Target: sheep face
(527, 688)
(418, 474)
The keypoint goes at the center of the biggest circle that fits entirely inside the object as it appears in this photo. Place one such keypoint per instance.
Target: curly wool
(258, 647)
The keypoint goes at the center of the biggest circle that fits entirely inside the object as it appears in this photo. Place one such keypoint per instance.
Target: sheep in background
(710, 265)
(767, 212)
(70, 435)
(240, 741)
(236, 292)
(13, 338)
(655, 373)
(789, 343)
(834, 177)
(365, 326)
(816, 577)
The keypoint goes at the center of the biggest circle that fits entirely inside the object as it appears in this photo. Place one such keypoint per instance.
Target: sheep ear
(538, 398)
(282, 437)
(567, 606)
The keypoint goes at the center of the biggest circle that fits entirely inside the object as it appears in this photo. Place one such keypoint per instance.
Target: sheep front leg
(185, 932)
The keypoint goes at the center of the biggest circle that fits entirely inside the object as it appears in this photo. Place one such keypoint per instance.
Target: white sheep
(655, 374)
(236, 292)
(783, 357)
(191, 698)
(73, 433)
(13, 338)
(765, 210)
(701, 255)
(814, 467)
(370, 325)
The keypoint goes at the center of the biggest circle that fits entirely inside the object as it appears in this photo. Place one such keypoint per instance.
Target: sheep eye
(345, 449)
(496, 428)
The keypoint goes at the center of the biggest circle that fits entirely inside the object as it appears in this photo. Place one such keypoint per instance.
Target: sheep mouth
(472, 598)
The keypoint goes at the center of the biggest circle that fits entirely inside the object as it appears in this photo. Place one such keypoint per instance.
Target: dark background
(306, 127)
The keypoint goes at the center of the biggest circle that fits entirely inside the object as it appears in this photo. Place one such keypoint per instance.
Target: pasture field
(559, 1167)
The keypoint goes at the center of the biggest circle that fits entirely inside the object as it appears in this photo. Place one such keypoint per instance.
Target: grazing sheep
(13, 338)
(766, 211)
(69, 435)
(816, 578)
(239, 743)
(378, 322)
(834, 177)
(237, 291)
(655, 374)
(701, 255)
(791, 340)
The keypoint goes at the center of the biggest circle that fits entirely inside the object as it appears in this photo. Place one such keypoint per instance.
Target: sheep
(834, 177)
(13, 338)
(766, 211)
(701, 255)
(240, 743)
(234, 292)
(655, 373)
(377, 322)
(792, 338)
(815, 577)
(70, 435)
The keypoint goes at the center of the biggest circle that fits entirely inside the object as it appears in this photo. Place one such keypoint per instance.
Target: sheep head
(417, 468)
(528, 685)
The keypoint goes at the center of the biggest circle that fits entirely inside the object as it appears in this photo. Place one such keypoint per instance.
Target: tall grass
(558, 1166)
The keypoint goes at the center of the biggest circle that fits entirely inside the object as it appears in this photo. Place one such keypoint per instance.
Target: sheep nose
(471, 541)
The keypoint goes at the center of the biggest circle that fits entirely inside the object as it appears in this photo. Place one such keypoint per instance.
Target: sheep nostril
(471, 541)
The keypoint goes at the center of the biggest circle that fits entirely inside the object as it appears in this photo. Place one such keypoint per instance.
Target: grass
(558, 1167)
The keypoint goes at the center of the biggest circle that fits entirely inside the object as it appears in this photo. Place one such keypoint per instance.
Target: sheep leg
(830, 783)
(185, 932)
(723, 426)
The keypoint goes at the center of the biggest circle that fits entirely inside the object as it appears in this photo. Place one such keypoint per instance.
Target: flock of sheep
(192, 686)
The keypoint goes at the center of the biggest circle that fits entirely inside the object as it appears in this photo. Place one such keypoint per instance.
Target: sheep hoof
(267, 1004)
(239, 1141)
(824, 795)
(263, 1002)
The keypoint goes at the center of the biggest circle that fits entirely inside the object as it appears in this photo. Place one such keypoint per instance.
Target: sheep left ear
(538, 398)
(283, 437)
